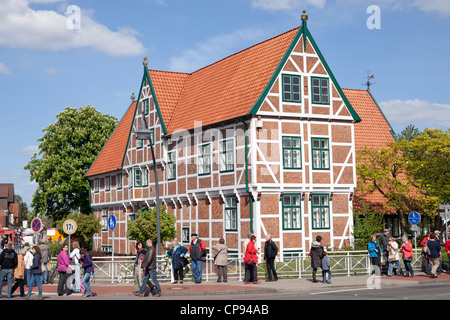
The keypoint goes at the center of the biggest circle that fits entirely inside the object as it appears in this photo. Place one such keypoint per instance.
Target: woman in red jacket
(407, 255)
(250, 260)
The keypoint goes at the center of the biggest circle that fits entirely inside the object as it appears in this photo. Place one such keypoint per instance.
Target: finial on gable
(133, 97)
(145, 63)
(304, 16)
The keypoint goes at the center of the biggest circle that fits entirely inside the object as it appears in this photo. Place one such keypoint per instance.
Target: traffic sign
(36, 225)
(414, 218)
(112, 222)
(70, 226)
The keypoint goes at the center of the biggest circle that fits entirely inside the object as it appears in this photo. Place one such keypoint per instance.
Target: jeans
(35, 279)
(8, 273)
(45, 274)
(86, 284)
(150, 273)
(29, 274)
(197, 270)
(324, 274)
(391, 267)
(408, 268)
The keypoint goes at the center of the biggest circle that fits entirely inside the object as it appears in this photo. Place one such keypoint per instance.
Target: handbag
(251, 261)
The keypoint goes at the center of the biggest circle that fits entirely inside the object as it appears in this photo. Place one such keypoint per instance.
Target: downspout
(246, 174)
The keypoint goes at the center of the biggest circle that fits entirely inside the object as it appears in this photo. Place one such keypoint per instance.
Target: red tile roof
(224, 90)
(373, 131)
(112, 154)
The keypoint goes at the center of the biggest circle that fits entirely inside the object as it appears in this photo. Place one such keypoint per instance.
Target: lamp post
(143, 133)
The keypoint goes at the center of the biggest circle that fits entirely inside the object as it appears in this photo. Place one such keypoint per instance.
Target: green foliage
(428, 160)
(367, 221)
(87, 226)
(144, 226)
(66, 151)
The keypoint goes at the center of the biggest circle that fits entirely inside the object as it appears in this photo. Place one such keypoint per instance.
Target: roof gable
(111, 156)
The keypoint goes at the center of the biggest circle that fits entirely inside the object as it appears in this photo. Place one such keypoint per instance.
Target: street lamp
(143, 133)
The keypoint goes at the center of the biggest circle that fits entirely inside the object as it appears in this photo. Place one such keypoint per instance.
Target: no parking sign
(36, 224)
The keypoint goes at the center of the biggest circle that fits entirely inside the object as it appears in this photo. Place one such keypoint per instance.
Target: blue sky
(46, 66)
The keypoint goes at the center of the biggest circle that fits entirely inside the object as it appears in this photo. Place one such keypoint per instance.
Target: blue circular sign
(112, 222)
(414, 218)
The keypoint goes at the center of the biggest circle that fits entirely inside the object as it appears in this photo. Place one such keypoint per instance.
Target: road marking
(337, 291)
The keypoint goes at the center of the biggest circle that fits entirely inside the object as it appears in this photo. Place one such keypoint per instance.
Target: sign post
(69, 226)
(36, 226)
(414, 219)
(445, 215)
(112, 222)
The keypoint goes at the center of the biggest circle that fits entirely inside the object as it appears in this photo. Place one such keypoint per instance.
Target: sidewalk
(103, 290)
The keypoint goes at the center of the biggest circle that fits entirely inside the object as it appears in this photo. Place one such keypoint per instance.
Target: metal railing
(295, 266)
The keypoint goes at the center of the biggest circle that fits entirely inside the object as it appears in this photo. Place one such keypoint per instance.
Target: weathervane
(368, 78)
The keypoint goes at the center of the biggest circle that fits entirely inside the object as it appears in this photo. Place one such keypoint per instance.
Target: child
(326, 268)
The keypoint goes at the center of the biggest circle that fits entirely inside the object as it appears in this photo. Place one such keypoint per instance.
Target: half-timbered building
(262, 141)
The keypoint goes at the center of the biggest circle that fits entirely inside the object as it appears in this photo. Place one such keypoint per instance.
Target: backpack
(426, 251)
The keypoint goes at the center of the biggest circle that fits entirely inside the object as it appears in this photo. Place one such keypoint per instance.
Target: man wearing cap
(384, 241)
(197, 250)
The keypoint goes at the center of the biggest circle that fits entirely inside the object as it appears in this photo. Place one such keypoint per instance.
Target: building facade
(260, 142)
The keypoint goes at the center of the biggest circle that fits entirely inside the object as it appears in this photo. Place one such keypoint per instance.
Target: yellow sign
(70, 226)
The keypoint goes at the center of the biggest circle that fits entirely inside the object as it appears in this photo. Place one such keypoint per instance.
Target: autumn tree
(66, 152)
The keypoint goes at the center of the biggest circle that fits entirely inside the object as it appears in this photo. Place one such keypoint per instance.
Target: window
(230, 214)
(144, 177)
(204, 159)
(321, 211)
(292, 153)
(320, 90)
(291, 211)
(108, 183)
(119, 181)
(291, 88)
(145, 104)
(137, 177)
(226, 160)
(185, 235)
(139, 144)
(152, 136)
(104, 219)
(321, 152)
(171, 165)
(96, 185)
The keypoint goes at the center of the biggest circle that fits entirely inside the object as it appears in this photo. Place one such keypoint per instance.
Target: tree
(87, 226)
(367, 221)
(23, 208)
(386, 171)
(428, 159)
(144, 226)
(66, 152)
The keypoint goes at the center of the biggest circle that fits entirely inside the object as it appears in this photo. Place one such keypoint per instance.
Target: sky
(57, 53)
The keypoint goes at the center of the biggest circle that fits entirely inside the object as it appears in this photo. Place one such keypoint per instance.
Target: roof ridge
(245, 49)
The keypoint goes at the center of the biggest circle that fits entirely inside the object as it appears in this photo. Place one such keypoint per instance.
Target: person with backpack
(197, 251)
(8, 260)
(46, 257)
(36, 270)
(435, 254)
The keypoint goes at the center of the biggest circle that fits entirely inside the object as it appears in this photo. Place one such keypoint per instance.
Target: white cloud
(24, 27)
(4, 69)
(52, 71)
(29, 150)
(418, 112)
(434, 6)
(274, 5)
(213, 49)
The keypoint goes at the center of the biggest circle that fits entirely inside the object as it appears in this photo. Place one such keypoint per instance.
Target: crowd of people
(388, 250)
(31, 267)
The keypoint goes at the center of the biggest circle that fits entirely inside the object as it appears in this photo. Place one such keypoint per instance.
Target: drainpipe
(246, 174)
